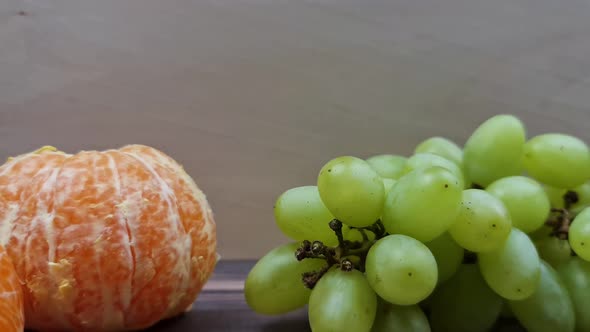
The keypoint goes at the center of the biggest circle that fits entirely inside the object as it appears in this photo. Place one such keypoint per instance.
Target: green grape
(494, 150)
(387, 165)
(579, 234)
(274, 285)
(442, 147)
(391, 317)
(525, 199)
(483, 223)
(423, 204)
(555, 196)
(352, 191)
(575, 275)
(301, 215)
(513, 270)
(355, 234)
(553, 250)
(583, 193)
(549, 309)
(388, 184)
(341, 302)
(425, 160)
(558, 160)
(448, 255)
(541, 233)
(465, 303)
(401, 270)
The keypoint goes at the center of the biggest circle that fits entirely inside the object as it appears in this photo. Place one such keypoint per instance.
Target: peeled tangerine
(105, 241)
(11, 296)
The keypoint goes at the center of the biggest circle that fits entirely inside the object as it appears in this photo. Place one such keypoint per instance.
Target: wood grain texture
(253, 96)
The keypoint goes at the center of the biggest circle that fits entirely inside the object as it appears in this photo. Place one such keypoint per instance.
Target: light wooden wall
(253, 96)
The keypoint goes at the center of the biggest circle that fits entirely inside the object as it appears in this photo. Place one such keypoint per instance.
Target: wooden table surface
(221, 307)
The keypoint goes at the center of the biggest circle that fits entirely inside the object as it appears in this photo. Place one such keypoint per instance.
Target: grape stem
(364, 235)
(310, 279)
(561, 219)
(377, 228)
(316, 250)
(362, 250)
(560, 222)
(336, 226)
(339, 255)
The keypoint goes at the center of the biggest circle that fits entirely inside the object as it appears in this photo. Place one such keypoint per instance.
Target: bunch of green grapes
(449, 238)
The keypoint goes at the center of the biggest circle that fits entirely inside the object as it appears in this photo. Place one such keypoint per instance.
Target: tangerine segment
(160, 247)
(105, 241)
(193, 209)
(11, 296)
(23, 203)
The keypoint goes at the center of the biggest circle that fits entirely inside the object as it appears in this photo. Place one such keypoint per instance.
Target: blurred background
(254, 96)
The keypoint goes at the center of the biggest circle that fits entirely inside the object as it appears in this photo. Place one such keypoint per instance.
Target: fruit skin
(553, 250)
(575, 274)
(11, 296)
(425, 160)
(549, 309)
(105, 240)
(388, 184)
(401, 270)
(494, 150)
(559, 160)
(448, 255)
(387, 165)
(443, 147)
(525, 200)
(342, 302)
(351, 190)
(274, 284)
(583, 192)
(465, 303)
(301, 215)
(513, 270)
(423, 204)
(579, 234)
(555, 196)
(483, 223)
(407, 318)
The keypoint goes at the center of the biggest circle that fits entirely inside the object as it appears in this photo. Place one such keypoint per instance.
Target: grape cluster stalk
(347, 255)
(450, 238)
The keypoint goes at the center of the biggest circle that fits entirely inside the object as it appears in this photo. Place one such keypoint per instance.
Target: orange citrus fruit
(105, 240)
(11, 296)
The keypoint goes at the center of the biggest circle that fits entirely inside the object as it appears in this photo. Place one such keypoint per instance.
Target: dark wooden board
(221, 307)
